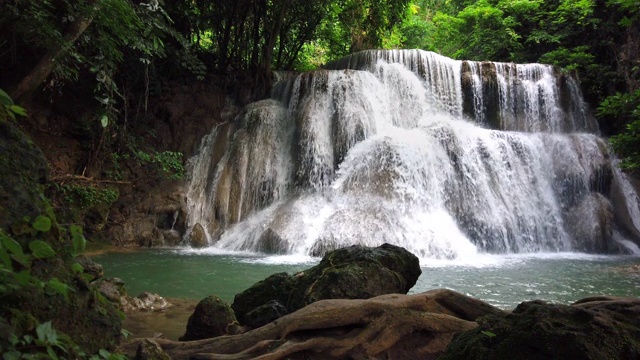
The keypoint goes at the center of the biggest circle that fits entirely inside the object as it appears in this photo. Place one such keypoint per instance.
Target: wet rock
(113, 289)
(357, 272)
(198, 237)
(596, 328)
(150, 350)
(265, 314)
(271, 242)
(211, 318)
(145, 302)
(274, 288)
(90, 267)
(171, 237)
(591, 224)
(354, 272)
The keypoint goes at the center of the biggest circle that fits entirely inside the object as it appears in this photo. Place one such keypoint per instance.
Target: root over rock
(391, 326)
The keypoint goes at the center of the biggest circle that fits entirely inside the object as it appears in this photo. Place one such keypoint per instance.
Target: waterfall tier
(418, 150)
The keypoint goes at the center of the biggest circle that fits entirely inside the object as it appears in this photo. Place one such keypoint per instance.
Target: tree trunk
(47, 64)
(391, 326)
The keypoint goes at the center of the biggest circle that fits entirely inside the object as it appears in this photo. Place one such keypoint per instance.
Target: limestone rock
(274, 288)
(150, 350)
(357, 272)
(598, 328)
(354, 272)
(90, 267)
(198, 236)
(265, 314)
(211, 318)
(145, 302)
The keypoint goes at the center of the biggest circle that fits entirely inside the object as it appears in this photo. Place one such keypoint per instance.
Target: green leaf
(18, 110)
(55, 286)
(13, 246)
(22, 259)
(5, 99)
(104, 120)
(23, 277)
(47, 333)
(488, 333)
(6, 260)
(52, 353)
(41, 249)
(42, 223)
(79, 241)
(77, 268)
(104, 353)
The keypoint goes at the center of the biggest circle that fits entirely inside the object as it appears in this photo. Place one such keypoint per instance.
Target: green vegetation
(25, 333)
(112, 57)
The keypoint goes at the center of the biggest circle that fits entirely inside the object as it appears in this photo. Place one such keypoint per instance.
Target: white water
(385, 154)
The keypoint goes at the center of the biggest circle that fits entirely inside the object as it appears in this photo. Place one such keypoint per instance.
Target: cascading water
(415, 149)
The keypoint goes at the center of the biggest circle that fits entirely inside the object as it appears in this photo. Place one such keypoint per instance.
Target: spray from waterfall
(445, 158)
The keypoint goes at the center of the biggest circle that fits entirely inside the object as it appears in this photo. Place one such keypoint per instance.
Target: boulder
(211, 318)
(150, 350)
(274, 288)
(90, 267)
(595, 328)
(145, 302)
(354, 272)
(198, 237)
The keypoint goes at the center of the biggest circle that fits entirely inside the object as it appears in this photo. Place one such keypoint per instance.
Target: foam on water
(381, 149)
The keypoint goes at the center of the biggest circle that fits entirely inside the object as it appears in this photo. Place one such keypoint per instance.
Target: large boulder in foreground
(354, 272)
(591, 329)
(211, 318)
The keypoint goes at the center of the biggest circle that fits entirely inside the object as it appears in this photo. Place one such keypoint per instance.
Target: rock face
(592, 328)
(211, 318)
(24, 171)
(354, 272)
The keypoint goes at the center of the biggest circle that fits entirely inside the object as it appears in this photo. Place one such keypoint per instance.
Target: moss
(539, 331)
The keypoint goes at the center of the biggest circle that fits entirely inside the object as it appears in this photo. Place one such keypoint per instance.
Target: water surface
(501, 280)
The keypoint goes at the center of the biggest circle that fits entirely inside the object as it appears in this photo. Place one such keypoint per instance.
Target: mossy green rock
(211, 318)
(354, 272)
(536, 330)
(24, 172)
(357, 272)
(274, 288)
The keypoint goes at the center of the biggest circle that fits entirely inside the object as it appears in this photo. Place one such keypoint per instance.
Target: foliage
(625, 108)
(85, 196)
(24, 336)
(9, 110)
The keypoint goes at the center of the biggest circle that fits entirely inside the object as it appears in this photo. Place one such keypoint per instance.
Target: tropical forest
(328, 179)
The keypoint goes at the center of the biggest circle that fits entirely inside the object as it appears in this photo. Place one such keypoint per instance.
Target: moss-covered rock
(24, 172)
(276, 287)
(211, 318)
(537, 330)
(354, 272)
(42, 280)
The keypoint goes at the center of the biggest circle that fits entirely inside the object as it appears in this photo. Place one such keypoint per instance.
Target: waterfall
(445, 158)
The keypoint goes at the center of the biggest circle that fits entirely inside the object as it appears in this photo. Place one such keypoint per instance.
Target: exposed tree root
(406, 326)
